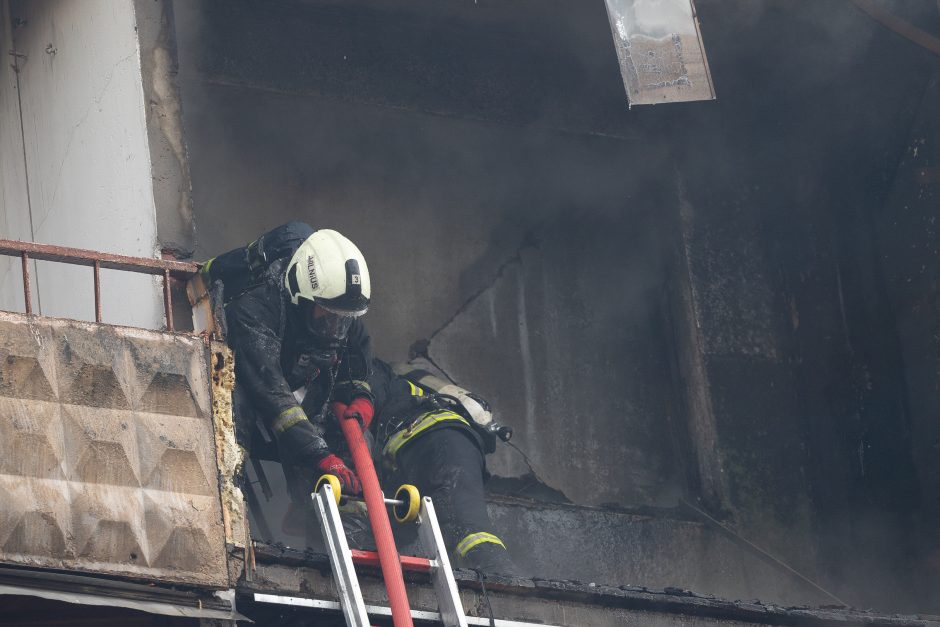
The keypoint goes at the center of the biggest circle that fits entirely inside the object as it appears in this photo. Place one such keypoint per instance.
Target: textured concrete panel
(98, 513)
(35, 520)
(107, 457)
(35, 427)
(101, 447)
(178, 459)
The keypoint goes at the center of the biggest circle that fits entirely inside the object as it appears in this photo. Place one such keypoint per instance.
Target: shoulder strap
(242, 268)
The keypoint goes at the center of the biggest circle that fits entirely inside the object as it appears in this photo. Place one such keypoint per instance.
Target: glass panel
(661, 54)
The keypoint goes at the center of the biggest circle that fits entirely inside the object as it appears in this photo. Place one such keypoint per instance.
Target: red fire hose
(389, 559)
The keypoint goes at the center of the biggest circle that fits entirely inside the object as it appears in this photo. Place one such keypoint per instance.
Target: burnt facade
(712, 325)
(707, 301)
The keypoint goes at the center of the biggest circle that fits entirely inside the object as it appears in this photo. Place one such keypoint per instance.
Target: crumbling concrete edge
(228, 454)
(637, 598)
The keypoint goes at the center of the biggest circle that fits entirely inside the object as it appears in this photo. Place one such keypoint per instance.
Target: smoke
(484, 159)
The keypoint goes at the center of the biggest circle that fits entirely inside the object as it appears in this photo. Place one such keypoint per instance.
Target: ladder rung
(408, 562)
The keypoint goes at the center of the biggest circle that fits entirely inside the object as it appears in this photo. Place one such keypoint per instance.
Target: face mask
(330, 328)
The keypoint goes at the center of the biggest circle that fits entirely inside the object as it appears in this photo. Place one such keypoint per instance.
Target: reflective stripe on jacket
(421, 424)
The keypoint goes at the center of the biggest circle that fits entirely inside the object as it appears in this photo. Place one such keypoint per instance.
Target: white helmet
(329, 271)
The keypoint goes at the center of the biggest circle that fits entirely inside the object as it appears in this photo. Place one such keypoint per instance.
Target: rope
(486, 597)
(759, 551)
(528, 462)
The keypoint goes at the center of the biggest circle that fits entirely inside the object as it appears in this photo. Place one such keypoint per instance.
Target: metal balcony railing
(97, 260)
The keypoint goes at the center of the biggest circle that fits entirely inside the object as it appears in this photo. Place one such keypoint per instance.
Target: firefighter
(293, 303)
(294, 299)
(430, 440)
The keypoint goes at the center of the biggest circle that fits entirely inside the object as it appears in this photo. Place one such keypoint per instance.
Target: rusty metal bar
(167, 300)
(27, 291)
(168, 269)
(97, 291)
(83, 257)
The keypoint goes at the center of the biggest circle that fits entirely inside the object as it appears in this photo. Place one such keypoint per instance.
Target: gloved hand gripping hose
(389, 559)
(333, 465)
(361, 408)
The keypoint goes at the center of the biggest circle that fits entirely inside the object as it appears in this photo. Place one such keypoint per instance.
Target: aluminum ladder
(343, 559)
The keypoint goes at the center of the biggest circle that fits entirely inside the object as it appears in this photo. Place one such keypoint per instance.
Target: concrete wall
(908, 243)
(671, 301)
(14, 198)
(87, 161)
(654, 549)
(107, 456)
(170, 167)
(794, 337)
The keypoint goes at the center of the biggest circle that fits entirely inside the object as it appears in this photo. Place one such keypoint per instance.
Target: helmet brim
(342, 306)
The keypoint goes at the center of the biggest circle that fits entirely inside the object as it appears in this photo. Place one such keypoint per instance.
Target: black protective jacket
(399, 404)
(274, 357)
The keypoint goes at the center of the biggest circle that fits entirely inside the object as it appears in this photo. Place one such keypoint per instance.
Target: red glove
(333, 465)
(360, 407)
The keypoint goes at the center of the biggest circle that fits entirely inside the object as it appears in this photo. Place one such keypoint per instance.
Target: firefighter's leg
(447, 465)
